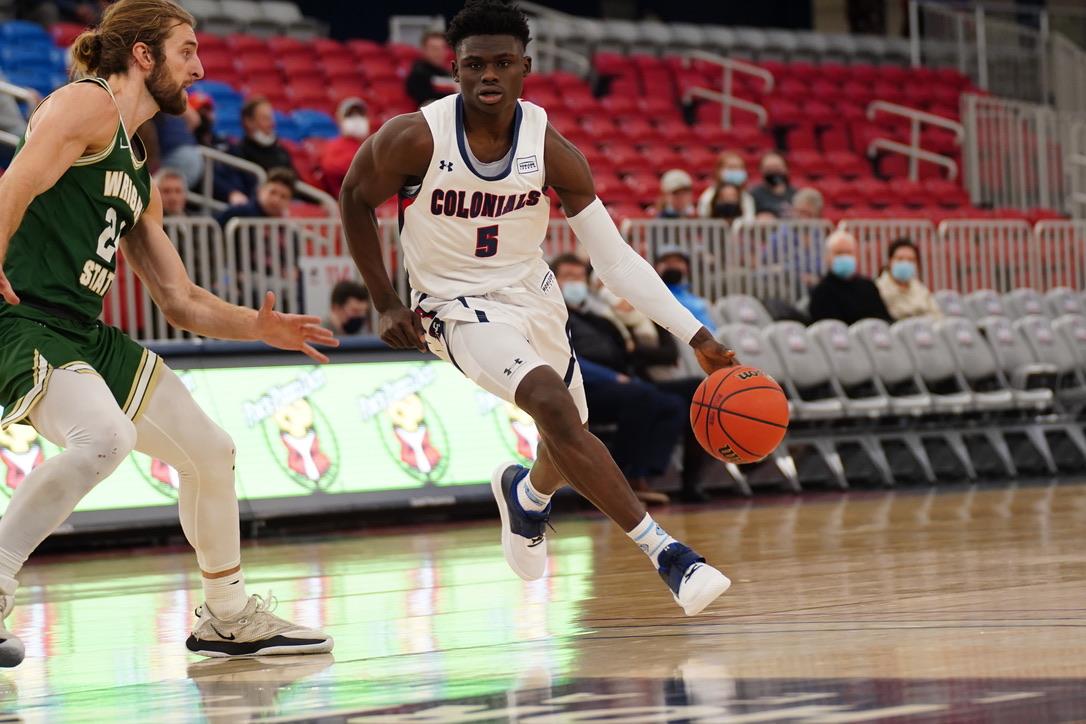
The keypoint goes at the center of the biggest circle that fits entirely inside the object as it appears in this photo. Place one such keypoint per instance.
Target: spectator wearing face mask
(260, 144)
(349, 312)
(774, 195)
(731, 170)
(337, 154)
(901, 289)
(676, 195)
(842, 293)
(673, 266)
(727, 204)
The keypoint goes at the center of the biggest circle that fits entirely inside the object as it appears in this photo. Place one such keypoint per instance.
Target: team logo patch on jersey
(528, 164)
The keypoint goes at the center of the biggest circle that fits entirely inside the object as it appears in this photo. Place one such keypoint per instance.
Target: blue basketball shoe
(524, 540)
(693, 582)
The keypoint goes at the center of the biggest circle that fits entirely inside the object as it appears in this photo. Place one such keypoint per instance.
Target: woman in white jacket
(899, 286)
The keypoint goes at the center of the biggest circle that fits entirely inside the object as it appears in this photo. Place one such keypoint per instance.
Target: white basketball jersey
(468, 233)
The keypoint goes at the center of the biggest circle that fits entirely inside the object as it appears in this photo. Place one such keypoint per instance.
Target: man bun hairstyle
(107, 49)
(488, 17)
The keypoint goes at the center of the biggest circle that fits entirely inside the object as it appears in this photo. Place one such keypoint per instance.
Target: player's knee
(98, 450)
(217, 448)
(552, 409)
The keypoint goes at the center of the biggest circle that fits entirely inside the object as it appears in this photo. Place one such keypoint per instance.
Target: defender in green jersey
(77, 193)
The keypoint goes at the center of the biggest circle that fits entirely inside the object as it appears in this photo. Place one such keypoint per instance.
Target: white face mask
(263, 138)
(355, 126)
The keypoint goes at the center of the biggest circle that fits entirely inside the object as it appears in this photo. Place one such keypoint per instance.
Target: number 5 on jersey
(486, 242)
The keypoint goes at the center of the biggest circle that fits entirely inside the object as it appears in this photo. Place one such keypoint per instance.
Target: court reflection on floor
(867, 600)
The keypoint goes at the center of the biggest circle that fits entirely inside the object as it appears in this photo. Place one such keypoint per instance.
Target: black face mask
(776, 179)
(672, 276)
(353, 325)
(726, 211)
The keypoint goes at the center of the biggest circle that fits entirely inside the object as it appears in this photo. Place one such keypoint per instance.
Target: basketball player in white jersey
(477, 164)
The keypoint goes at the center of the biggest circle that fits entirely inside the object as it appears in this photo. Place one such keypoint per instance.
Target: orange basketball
(739, 414)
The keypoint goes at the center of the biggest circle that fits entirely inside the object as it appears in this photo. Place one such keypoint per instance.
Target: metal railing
(206, 201)
(1013, 50)
(917, 119)
(874, 236)
(1015, 153)
(547, 48)
(1076, 168)
(768, 260)
(730, 67)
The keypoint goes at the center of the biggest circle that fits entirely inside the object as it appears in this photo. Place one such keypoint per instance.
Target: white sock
(225, 596)
(531, 499)
(10, 564)
(651, 538)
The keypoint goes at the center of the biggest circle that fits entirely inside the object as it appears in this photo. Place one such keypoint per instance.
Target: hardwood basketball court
(916, 605)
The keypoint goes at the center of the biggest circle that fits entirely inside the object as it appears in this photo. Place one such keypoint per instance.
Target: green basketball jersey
(63, 255)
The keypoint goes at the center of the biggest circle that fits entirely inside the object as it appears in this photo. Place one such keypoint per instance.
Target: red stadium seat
(912, 194)
(638, 130)
(675, 132)
(810, 163)
(875, 192)
(241, 42)
(847, 164)
(834, 138)
(802, 138)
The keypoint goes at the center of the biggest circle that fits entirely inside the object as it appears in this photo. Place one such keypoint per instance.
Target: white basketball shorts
(496, 339)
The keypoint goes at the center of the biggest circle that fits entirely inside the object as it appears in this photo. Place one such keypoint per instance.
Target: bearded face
(168, 93)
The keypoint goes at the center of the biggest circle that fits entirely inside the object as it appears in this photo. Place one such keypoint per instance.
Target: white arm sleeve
(629, 276)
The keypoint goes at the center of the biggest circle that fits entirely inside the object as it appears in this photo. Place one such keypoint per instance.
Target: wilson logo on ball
(730, 455)
(748, 374)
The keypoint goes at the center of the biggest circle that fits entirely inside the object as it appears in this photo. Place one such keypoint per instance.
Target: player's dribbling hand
(6, 291)
(712, 355)
(400, 328)
(292, 331)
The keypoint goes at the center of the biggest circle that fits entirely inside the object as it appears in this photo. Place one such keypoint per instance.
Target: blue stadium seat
(217, 90)
(287, 128)
(39, 80)
(315, 124)
(23, 32)
(59, 58)
(19, 57)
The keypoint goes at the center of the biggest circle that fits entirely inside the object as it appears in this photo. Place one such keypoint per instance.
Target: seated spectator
(727, 204)
(773, 197)
(272, 200)
(807, 204)
(172, 143)
(173, 191)
(350, 309)
(260, 144)
(430, 77)
(842, 293)
(899, 284)
(337, 154)
(649, 421)
(226, 180)
(731, 170)
(673, 266)
(676, 195)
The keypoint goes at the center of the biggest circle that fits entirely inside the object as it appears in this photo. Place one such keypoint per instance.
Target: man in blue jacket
(673, 266)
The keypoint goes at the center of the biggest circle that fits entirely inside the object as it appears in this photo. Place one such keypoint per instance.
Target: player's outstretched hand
(292, 331)
(6, 291)
(400, 328)
(712, 355)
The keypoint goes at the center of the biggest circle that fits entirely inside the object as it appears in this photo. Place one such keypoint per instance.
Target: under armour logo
(445, 165)
(517, 362)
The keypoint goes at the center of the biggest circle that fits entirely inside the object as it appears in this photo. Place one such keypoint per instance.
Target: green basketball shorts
(33, 343)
